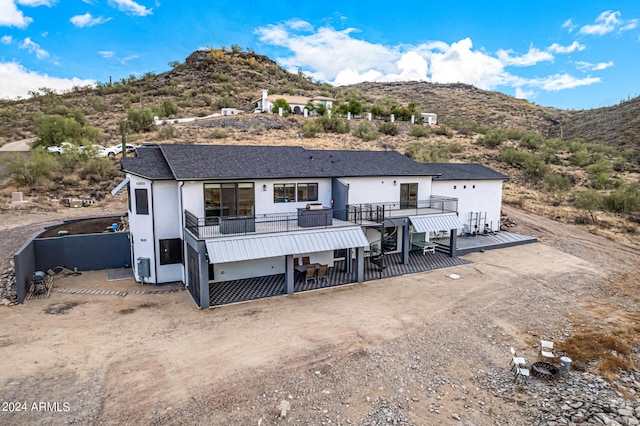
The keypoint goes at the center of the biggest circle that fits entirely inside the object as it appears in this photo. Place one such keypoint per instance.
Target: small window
(455, 187)
(170, 251)
(284, 192)
(474, 187)
(307, 192)
(464, 187)
(142, 201)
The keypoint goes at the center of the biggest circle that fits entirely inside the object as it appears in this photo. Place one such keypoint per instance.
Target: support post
(406, 243)
(289, 274)
(360, 264)
(203, 272)
(453, 240)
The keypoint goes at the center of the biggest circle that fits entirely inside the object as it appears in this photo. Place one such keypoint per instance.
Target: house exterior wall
(259, 267)
(141, 226)
(486, 196)
(168, 224)
(382, 189)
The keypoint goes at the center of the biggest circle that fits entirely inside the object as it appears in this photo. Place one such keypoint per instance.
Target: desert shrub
(168, 132)
(218, 133)
(455, 147)
(29, 171)
(530, 140)
(535, 169)
(556, 182)
(281, 103)
(443, 130)
(311, 128)
(98, 169)
(493, 138)
(8, 114)
(366, 131)
(580, 157)
(427, 153)
(513, 157)
(468, 128)
(418, 131)
(334, 125)
(55, 129)
(589, 199)
(140, 120)
(169, 108)
(388, 128)
(600, 180)
(625, 199)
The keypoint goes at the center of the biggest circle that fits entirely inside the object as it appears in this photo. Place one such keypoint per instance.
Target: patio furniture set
(310, 271)
(545, 368)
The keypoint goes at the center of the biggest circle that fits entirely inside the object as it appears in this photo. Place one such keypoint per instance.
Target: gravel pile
(8, 294)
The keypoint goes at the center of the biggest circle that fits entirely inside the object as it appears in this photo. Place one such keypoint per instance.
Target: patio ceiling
(249, 247)
(436, 222)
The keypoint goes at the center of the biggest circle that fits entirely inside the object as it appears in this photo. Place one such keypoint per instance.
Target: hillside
(556, 159)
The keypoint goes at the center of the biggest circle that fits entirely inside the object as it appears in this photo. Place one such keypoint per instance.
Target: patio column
(289, 274)
(360, 264)
(348, 267)
(406, 243)
(203, 272)
(453, 240)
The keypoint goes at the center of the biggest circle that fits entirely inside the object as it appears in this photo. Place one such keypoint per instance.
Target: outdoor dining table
(303, 268)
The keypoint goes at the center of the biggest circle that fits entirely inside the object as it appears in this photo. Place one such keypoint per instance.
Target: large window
(408, 195)
(284, 192)
(229, 199)
(142, 201)
(290, 192)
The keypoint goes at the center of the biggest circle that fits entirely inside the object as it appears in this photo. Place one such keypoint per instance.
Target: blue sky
(572, 55)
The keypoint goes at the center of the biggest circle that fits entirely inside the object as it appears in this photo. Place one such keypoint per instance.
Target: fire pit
(544, 370)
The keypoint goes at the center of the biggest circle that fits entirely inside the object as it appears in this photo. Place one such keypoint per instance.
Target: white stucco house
(206, 215)
(297, 103)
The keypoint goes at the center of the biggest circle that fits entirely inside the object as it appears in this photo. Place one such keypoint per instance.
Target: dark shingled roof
(200, 162)
(148, 162)
(464, 171)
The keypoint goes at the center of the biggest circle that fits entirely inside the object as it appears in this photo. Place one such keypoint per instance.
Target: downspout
(153, 234)
(184, 251)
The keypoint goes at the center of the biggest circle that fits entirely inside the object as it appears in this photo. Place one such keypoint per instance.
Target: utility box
(144, 267)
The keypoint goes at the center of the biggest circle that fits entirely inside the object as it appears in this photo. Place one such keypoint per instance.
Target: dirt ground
(407, 350)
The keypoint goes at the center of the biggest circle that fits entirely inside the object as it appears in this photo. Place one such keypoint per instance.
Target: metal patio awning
(249, 247)
(436, 222)
(120, 186)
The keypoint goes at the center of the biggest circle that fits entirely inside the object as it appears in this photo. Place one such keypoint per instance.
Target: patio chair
(546, 350)
(521, 372)
(305, 260)
(311, 274)
(322, 273)
(516, 361)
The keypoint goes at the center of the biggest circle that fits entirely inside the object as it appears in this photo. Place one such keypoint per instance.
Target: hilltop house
(297, 103)
(209, 214)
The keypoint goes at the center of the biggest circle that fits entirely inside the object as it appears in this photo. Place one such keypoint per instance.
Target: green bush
(530, 140)
(600, 180)
(366, 131)
(98, 169)
(443, 130)
(388, 128)
(625, 199)
(281, 103)
(556, 182)
(418, 131)
(54, 129)
(169, 108)
(513, 157)
(535, 169)
(334, 125)
(589, 199)
(140, 120)
(311, 128)
(427, 153)
(580, 157)
(167, 131)
(29, 171)
(218, 133)
(493, 138)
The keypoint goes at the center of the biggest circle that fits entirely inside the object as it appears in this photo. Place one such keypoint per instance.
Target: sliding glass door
(408, 195)
(229, 199)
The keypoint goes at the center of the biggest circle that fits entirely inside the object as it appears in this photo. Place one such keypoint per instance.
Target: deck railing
(224, 226)
(378, 212)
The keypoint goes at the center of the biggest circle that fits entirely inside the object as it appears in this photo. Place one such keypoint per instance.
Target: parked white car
(64, 146)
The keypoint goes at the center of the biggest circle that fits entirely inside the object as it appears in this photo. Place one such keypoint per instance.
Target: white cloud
(525, 94)
(34, 47)
(16, 81)
(6, 39)
(130, 7)
(106, 54)
(336, 56)
(87, 20)
(557, 48)
(557, 82)
(607, 22)
(569, 25)
(588, 66)
(35, 3)
(10, 16)
(532, 57)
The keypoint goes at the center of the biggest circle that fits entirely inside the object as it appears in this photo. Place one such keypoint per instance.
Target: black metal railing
(223, 226)
(378, 212)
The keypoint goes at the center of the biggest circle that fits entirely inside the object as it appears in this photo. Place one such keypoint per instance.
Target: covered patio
(223, 293)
